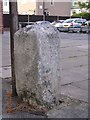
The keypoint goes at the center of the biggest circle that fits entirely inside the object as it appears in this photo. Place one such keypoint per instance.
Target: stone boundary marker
(37, 64)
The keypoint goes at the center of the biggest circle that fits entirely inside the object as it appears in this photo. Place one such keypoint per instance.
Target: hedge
(82, 15)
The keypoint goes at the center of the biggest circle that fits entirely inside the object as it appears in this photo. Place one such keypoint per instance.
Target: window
(51, 2)
(68, 21)
(75, 3)
(5, 3)
(74, 12)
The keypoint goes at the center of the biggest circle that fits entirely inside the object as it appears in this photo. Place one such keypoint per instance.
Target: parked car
(39, 22)
(87, 23)
(74, 22)
(57, 24)
(24, 24)
(86, 27)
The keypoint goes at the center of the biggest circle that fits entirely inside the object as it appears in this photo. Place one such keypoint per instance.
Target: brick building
(54, 8)
(51, 7)
(1, 17)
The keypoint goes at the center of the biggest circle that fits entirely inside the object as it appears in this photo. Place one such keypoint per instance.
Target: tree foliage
(82, 15)
(88, 6)
(81, 5)
(84, 5)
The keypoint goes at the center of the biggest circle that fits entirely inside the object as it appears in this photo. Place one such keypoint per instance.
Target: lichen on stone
(37, 64)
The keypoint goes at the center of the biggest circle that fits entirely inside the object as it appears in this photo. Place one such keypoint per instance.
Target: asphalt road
(74, 36)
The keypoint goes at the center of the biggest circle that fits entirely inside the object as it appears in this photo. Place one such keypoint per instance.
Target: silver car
(86, 27)
(74, 22)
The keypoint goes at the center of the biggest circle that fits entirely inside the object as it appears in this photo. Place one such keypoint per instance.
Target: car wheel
(80, 31)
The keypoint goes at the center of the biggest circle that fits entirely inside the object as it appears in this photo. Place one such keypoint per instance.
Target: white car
(74, 22)
(58, 23)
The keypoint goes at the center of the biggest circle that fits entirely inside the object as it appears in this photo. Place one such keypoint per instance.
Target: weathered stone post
(37, 63)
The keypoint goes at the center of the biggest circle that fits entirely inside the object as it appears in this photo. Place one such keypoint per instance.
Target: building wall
(26, 7)
(57, 9)
(1, 17)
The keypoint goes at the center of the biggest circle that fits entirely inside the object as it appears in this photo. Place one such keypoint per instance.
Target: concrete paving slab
(74, 39)
(75, 92)
(0, 51)
(0, 98)
(78, 111)
(6, 61)
(74, 48)
(83, 46)
(21, 115)
(80, 69)
(0, 72)
(72, 54)
(69, 63)
(70, 79)
(6, 49)
(6, 72)
(81, 84)
(73, 44)
(73, 51)
(18, 113)
(74, 36)
(0, 117)
(74, 75)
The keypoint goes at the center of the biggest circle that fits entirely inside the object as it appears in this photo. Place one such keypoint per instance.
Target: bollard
(37, 63)
(9, 94)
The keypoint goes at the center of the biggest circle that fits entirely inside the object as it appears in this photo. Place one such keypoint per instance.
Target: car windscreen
(68, 21)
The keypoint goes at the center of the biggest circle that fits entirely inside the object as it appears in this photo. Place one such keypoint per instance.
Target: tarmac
(74, 78)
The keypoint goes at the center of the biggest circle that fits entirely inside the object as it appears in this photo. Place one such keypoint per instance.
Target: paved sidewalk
(74, 73)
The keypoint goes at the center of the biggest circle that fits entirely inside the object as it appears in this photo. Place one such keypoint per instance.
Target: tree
(84, 5)
(13, 29)
(88, 6)
(81, 5)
